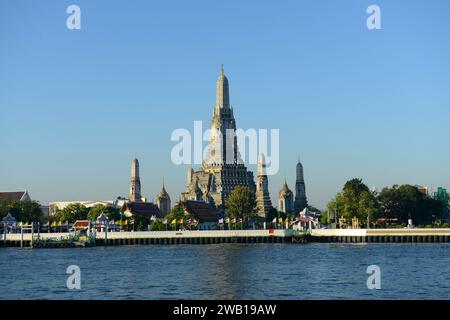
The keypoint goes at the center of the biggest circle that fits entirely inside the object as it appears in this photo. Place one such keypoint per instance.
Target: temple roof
(284, 190)
(144, 209)
(202, 211)
(222, 94)
(14, 196)
(163, 193)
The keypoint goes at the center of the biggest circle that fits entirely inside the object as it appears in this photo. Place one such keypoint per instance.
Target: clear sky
(76, 105)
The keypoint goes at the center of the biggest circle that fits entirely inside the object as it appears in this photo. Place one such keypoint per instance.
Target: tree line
(392, 205)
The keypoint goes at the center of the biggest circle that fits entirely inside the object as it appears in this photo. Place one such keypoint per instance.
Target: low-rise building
(203, 213)
(143, 209)
(59, 205)
(14, 196)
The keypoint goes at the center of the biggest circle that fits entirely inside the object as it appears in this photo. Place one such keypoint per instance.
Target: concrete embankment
(236, 236)
(380, 235)
(165, 237)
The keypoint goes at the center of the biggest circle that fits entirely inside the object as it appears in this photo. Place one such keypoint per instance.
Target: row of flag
(176, 221)
(230, 220)
(234, 220)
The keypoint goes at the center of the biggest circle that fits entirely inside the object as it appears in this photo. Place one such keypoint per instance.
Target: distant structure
(285, 199)
(59, 205)
(444, 196)
(162, 201)
(15, 196)
(263, 202)
(222, 170)
(301, 201)
(422, 189)
(135, 183)
(141, 209)
(202, 212)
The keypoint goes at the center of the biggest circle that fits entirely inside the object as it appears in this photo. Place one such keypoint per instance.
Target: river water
(229, 271)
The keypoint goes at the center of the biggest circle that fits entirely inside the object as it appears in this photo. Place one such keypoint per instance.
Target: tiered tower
(135, 183)
(301, 201)
(263, 202)
(222, 169)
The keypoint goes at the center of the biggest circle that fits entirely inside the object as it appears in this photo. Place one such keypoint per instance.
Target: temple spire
(223, 94)
(135, 181)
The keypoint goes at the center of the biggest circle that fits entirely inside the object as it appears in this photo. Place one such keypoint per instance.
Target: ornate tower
(135, 183)
(162, 200)
(263, 202)
(222, 169)
(300, 191)
(222, 147)
(285, 199)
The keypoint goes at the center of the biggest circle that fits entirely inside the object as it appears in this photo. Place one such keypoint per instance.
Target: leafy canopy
(241, 202)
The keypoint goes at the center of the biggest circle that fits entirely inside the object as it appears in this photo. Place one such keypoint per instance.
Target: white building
(59, 205)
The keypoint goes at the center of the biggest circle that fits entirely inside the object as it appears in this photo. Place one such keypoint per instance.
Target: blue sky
(76, 105)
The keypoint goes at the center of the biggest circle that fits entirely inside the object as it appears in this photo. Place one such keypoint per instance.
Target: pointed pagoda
(263, 202)
(222, 169)
(301, 201)
(135, 182)
(162, 201)
(285, 199)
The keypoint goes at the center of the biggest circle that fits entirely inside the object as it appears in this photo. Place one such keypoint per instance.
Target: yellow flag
(19, 224)
(280, 220)
(118, 223)
(126, 222)
(234, 220)
(227, 220)
(181, 221)
(53, 224)
(174, 221)
(59, 224)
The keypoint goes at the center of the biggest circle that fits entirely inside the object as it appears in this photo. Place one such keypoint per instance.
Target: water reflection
(229, 271)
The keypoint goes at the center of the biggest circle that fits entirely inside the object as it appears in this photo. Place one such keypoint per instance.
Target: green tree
(25, 211)
(158, 225)
(407, 202)
(241, 203)
(176, 213)
(355, 200)
(325, 217)
(72, 212)
(141, 222)
(111, 212)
